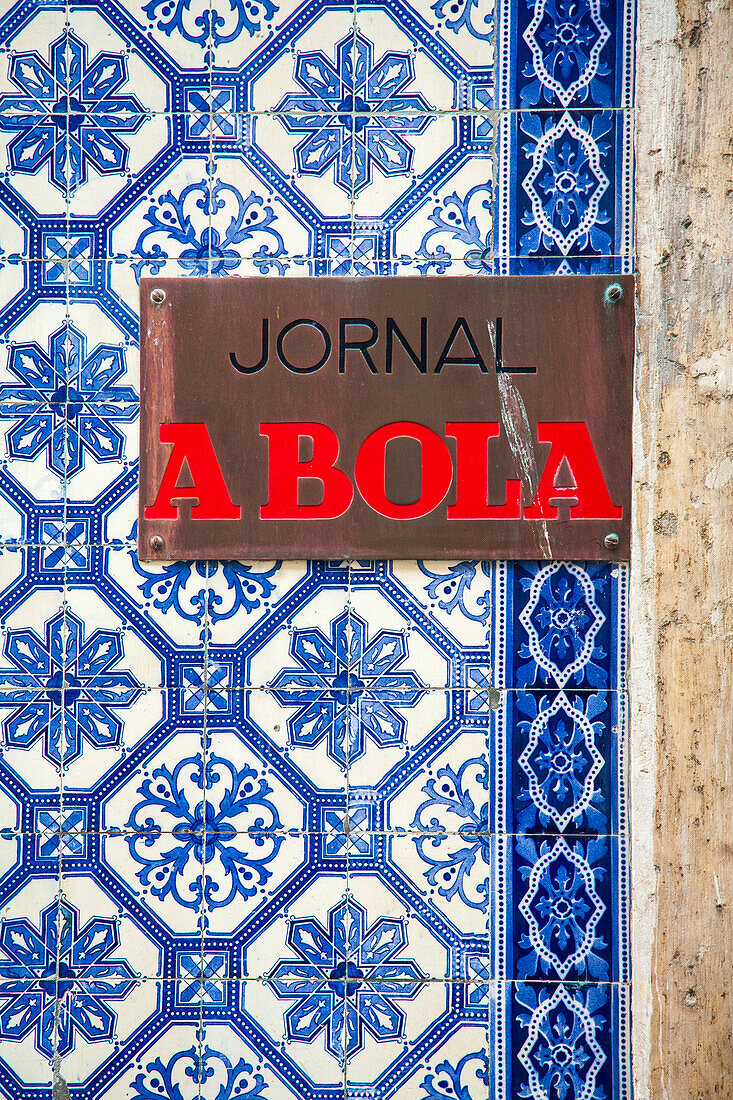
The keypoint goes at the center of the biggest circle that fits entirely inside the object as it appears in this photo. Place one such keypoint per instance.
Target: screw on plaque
(613, 294)
(155, 542)
(611, 541)
(157, 296)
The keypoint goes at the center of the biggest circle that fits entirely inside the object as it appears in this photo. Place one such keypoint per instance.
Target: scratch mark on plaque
(516, 425)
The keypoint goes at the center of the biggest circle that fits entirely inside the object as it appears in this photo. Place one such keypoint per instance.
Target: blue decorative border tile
(570, 1036)
(571, 54)
(565, 174)
(568, 909)
(566, 626)
(567, 761)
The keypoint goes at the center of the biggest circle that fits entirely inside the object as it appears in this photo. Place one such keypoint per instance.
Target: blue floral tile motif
(450, 586)
(565, 629)
(355, 113)
(186, 588)
(565, 745)
(561, 759)
(566, 41)
(209, 26)
(459, 1068)
(57, 979)
(459, 220)
(195, 1068)
(566, 922)
(349, 688)
(572, 53)
(346, 979)
(64, 688)
(455, 847)
(563, 171)
(566, 195)
(204, 811)
(459, 1078)
(564, 1041)
(69, 113)
(185, 225)
(69, 402)
(470, 14)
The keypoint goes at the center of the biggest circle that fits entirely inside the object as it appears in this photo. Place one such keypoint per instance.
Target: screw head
(611, 541)
(155, 542)
(157, 296)
(613, 294)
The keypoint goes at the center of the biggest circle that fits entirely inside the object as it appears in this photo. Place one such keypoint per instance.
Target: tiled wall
(329, 831)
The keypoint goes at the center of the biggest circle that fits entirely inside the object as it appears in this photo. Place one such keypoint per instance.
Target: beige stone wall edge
(681, 606)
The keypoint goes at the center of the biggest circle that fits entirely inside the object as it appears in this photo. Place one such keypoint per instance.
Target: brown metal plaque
(386, 418)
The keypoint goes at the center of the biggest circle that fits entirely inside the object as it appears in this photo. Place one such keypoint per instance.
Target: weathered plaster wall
(682, 587)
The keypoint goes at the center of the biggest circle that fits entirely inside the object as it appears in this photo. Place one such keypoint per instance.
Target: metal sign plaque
(386, 418)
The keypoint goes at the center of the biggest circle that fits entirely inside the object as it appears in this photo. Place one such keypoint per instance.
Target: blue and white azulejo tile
(330, 830)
